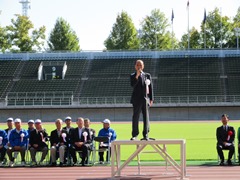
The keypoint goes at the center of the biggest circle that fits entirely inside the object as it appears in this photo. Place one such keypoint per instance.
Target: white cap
(68, 118)
(31, 121)
(107, 121)
(10, 119)
(17, 120)
(38, 121)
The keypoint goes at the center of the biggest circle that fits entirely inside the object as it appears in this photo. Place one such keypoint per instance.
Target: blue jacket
(3, 134)
(105, 132)
(15, 138)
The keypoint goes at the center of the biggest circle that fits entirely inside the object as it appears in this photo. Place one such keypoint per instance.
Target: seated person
(18, 142)
(92, 132)
(80, 141)
(111, 134)
(37, 141)
(225, 140)
(87, 126)
(58, 140)
(3, 143)
(10, 124)
(30, 126)
(69, 129)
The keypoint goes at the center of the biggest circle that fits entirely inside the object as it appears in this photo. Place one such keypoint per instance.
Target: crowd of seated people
(63, 142)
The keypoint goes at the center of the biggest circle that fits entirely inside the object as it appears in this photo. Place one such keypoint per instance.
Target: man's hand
(151, 103)
(17, 148)
(138, 73)
(35, 145)
(78, 144)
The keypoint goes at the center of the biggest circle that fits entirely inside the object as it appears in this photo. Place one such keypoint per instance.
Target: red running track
(129, 173)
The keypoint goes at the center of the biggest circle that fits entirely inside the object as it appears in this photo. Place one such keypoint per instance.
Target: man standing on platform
(225, 140)
(142, 97)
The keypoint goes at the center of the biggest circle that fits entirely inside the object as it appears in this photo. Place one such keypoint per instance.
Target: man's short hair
(224, 115)
(86, 119)
(139, 60)
(60, 120)
(80, 118)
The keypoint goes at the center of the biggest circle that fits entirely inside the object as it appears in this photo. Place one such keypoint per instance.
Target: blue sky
(92, 20)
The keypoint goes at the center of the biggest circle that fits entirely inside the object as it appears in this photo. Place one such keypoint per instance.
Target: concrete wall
(123, 114)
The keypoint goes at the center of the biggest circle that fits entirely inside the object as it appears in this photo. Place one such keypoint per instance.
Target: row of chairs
(91, 159)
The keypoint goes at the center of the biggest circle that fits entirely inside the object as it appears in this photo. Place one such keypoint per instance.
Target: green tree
(236, 24)
(154, 32)
(219, 30)
(124, 35)
(62, 37)
(5, 43)
(195, 40)
(20, 37)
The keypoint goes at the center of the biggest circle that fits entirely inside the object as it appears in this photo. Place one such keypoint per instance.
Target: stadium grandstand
(188, 85)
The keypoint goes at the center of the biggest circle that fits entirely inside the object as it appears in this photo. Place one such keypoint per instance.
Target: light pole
(237, 33)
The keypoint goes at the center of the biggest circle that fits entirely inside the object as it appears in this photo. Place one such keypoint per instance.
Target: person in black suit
(87, 126)
(225, 140)
(81, 141)
(58, 140)
(92, 133)
(69, 129)
(37, 142)
(139, 79)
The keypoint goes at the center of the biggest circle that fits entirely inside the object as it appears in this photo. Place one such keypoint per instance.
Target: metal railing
(39, 95)
(165, 100)
(121, 101)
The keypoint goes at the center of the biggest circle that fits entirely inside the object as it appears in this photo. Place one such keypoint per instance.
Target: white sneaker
(23, 163)
(11, 163)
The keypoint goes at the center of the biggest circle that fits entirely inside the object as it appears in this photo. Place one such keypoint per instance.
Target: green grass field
(200, 138)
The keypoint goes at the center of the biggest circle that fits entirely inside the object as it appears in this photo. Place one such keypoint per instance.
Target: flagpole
(188, 27)
(172, 28)
(221, 26)
(172, 35)
(204, 21)
(204, 35)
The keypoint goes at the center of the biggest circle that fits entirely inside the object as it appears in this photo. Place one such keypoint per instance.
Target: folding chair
(88, 157)
(103, 141)
(234, 156)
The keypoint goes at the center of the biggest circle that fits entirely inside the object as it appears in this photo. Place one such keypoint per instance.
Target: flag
(188, 4)
(204, 17)
(172, 16)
